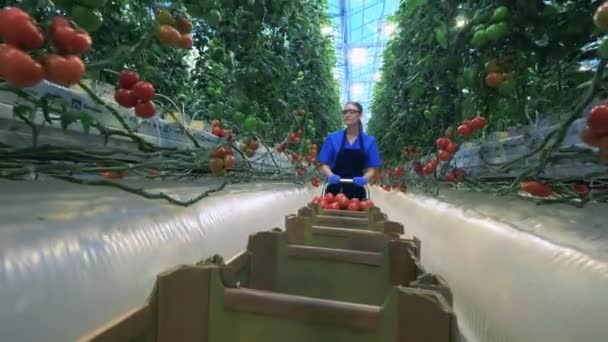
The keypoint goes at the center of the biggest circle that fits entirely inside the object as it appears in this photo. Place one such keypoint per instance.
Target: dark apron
(349, 164)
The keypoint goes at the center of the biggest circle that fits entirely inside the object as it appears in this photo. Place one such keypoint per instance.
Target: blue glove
(333, 179)
(360, 181)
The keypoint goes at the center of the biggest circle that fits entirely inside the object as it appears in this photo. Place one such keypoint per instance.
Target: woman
(349, 154)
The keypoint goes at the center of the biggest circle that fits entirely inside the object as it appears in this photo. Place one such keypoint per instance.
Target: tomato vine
(515, 63)
(263, 69)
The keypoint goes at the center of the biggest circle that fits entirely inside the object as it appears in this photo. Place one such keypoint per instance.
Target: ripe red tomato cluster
(220, 160)
(446, 147)
(315, 181)
(312, 152)
(596, 133)
(537, 188)
(430, 167)
(218, 131)
(21, 35)
(471, 126)
(295, 137)
(454, 176)
(174, 33)
(249, 146)
(341, 202)
(132, 92)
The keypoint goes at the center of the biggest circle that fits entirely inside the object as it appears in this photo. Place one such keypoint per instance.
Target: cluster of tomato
(133, 93)
(341, 202)
(446, 147)
(172, 32)
(596, 133)
(21, 34)
(469, 127)
(394, 176)
(315, 181)
(295, 137)
(311, 152)
(218, 131)
(249, 146)
(220, 160)
(494, 75)
(455, 175)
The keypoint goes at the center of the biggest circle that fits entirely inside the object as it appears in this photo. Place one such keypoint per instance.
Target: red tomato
(433, 163)
(18, 68)
(343, 202)
(591, 137)
(125, 98)
(329, 197)
(218, 153)
(9, 17)
(355, 200)
(402, 188)
(598, 119)
(427, 170)
(127, 79)
(184, 25)
(445, 155)
(254, 145)
(324, 204)
(185, 41)
(315, 182)
(465, 130)
(24, 34)
(334, 206)
(537, 188)
(63, 36)
(353, 206)
(217, 131)
(144, 91)
(81, 42)
(229, 161)
(63, 70)
(478, 122)
(145, 110)
(452, 147)
(493, 80)
(442, 143)
(168, 35)
(581, 189)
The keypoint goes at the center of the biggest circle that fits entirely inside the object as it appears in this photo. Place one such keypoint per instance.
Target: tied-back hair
(360, 108)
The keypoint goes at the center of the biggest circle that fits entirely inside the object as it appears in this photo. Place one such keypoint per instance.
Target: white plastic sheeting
(73, 257)
(519, 272)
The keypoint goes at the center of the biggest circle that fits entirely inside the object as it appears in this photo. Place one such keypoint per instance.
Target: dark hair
(360, 108)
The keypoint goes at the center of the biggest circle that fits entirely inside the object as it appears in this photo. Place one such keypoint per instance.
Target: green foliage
(259, 58)
(434, 68)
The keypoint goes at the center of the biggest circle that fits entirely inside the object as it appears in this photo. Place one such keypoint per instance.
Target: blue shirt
(331, 147)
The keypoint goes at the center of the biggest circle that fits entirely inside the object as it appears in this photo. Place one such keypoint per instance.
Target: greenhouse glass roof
(360, 31)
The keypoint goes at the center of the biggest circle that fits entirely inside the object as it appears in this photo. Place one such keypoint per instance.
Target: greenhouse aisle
(517, 275)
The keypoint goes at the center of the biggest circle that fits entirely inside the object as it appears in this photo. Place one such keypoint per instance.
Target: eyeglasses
(349, 111)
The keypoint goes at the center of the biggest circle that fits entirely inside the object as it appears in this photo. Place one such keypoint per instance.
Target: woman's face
(351, 114)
